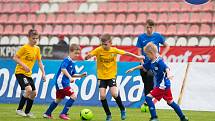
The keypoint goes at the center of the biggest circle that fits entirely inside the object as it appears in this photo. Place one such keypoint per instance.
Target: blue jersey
(144, 39)
(158, 68)
(62, 81)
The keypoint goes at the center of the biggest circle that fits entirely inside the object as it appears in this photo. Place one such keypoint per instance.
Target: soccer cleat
(30, 115)
(47, 116)
(185, 119)
(108, 118)
(64, 117)
(20, 113)
(123, 114)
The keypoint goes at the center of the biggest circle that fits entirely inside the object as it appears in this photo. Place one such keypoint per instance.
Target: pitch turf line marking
(183, 84)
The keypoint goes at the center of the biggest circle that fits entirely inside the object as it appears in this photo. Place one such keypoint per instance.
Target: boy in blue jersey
(162, 77)
(143, 39)
(62, 83)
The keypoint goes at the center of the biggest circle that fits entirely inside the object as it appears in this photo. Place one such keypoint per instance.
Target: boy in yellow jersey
(25, 59)
(107, 71)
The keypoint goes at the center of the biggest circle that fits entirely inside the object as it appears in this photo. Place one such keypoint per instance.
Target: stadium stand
(120, 18)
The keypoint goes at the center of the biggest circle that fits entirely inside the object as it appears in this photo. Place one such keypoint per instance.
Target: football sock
(119, 102)
(177, 109)
(22, 103)
(151, 107)
(29, 105)
(105, 106)
(67, 106)
(51, 108)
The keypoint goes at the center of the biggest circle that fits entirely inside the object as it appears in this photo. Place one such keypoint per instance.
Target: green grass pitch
(7, 113)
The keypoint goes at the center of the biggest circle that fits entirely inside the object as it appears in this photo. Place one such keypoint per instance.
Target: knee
(169, 102)
(33, 94)
(114, 95)
(74, 96)
(28, 92)
(102, 97)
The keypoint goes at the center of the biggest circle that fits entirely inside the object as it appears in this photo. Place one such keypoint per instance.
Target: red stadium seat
(60, 18)
(133, 7)
(48, 29)
(131, 18)
(8, 30)
(185, 7)
(195, 18)
(63, 7)
(102, 7)
(98, 30)
(184, 17)
(206, 17)
(80, 18)
(27, 28)
(110, 18)
(32, 18)
(1, 28)
(3, 18)
(90, 19)
(34, 7)
(87, 30)
(141, 18)
(139, 29)
(12, 18)
(108, 29)
(120, 18)
(22, 18)
(182, 29)
(77, 30)
(41, 18)
(122, 7)
(174, 7)
(15, 8)
(164, 7)
(162, 18)
(67, 30)
(196, 8)
(143, 7)
(50, 19)
(39, 28)
(112, 7)
(194, 30)
(152, 16)
(205, 30)
(129, 29)
(25, 8)
(213, 30)
(100, 18)
(173, 18)
(7, 7)
(118, 30)
(18, 29)
(208, 7)
(161, 29)
(153, 7)
(57, 30)
(171, 30)
(70, 18)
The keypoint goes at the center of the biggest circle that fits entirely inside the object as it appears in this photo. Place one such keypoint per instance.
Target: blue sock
(51, 108)
(151, 107)
(67, 106)
(177, 109)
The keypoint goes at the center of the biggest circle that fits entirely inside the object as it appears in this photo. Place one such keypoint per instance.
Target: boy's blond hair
(150, 48)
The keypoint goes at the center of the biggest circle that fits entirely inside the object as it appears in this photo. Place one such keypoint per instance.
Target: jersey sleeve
(94, 52)
(64, 64)
(162, 39)
(38, 54)
(146, 66)
(139, 42)
(162, 65)
(119, 51)
(21, 51)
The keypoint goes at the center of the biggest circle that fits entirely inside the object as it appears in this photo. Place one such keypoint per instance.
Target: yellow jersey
(28, 55)
(106, 62)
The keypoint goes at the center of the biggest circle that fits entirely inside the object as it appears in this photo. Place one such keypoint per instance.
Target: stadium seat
(194, 18)
(12, 19)
(18, 29)
(1, 28)
(193, 41)
(118, 30)
(66, 39)
(47, 30)
(139, 29)
(84, 41)
(194, 30)
(95, 41)
(206, 17)
(112, 7)
(162, 18)
(57, 30)
(182, 41)
(3, 18)
(174, 7)
(38, 28)
(53, 8)
(70, 18)
(26, 29)
(182, 29)
(128, 30)
(74, 40)
(90, 19)
(204, 41)
(8, 29)
(22, 18)
(25, 8)
(108, 29)
(7, 7)
(126, 41)
(34, 7)
(141, 18)
(5, 40)
(185, 7)
(41, 18)
(161, 29)
(171, 41)
(196, 8)
(60, 18)
(122, 7)
(14, 40)
(134, 43)
(171, 30)
(213, 30)
(120, 18)
(102, 7)
(205, 30)
(32, 18)
(93, 7)
(164, 7)
(153, 7)
(23, 40)
(100, 18)
(83, 8)
(87, 30)
(213, 42)
(184, 17)
(116, 41)
(173, 18)
(73, 6)
(133, 7)
(67, 30)
(98, 30)
(110, 18)
(53, 41)
(44, 8)
(153, 16)
(208, 7)
(143, 7)
(77, 30)
(130, 19)
(63, 7)
(50, 18)
(44, 40)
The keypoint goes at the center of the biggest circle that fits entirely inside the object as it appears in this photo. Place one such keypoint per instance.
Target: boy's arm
(135, 68)
(140, 54)
(88, 56)
(140, 57)
(18, 61)
(41, 66)
(80, 75)
(65, 72)
(169, 74)
(165, 50)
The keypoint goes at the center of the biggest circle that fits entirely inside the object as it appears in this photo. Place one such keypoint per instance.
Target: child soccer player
(62, 83)
(162, 76)
(25, 59)
(106, 72)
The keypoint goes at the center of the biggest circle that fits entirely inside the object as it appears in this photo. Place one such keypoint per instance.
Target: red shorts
(60, 94)
(158, 94)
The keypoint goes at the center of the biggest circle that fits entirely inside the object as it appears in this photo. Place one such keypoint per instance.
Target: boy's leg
(52, 106)
(22, 100)
(151, 106)
(31, 88)
(104, 101)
